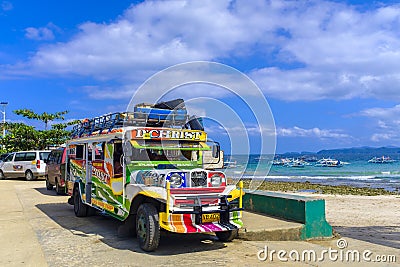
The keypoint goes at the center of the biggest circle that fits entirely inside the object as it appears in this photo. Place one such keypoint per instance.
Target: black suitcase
(171, 105)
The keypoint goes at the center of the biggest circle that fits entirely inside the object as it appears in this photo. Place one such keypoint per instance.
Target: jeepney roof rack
(106, 123)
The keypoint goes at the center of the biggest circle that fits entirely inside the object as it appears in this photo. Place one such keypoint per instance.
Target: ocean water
(357, 173)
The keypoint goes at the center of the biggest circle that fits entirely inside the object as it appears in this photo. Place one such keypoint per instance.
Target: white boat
(281, 162)
(328, 163)
(296, 164)
(382, 159)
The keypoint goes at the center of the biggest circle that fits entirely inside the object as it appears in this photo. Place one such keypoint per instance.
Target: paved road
(38, 228)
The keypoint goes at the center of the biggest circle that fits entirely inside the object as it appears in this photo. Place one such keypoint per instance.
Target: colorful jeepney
(149, 173)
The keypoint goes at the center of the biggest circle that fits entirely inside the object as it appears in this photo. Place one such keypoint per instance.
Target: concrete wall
(306, 210)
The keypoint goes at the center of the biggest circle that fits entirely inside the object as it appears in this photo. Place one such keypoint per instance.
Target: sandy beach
(374, 219)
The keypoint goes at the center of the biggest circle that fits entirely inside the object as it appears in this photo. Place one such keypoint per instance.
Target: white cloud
(313, 132)
(146, 38)
(242, 130)
(97, 92)
(320, 49)
(41, 33)
(344, 53)
(156, 34)
(385, 121)
(383, 113)
(379, 137)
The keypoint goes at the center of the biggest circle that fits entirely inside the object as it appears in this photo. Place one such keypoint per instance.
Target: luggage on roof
(163, 111)
(173, 115)
(172, 104)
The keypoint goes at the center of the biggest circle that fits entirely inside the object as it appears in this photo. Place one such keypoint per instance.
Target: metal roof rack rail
(142, 116)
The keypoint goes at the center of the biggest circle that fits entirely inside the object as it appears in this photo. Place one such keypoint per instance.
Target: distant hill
(354, 153)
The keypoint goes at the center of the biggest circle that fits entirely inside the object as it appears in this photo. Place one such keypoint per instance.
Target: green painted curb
(306, 210)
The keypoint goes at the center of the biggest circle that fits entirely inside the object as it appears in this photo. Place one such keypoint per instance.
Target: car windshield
(157, 151)
(3, 156)
(9, 157)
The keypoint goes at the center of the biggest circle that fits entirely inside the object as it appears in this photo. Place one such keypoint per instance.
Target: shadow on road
(106, 228)
(46, 192)
(21, 179)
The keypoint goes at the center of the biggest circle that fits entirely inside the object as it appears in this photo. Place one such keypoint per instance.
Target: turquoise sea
(358, 173)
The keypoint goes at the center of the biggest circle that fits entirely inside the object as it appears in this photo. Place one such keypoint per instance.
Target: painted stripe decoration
(184, 223)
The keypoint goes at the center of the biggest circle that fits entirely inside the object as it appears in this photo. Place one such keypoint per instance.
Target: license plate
(210, 217)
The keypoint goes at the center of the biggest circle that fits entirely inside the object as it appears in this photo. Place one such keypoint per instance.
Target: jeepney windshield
(165, 151)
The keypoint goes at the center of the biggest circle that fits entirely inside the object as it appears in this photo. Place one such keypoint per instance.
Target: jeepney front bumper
(202, 213)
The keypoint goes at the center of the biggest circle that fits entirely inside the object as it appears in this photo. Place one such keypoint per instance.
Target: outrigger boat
(382, 159)
(328, 163)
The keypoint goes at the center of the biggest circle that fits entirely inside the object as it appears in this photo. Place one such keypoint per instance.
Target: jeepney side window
(80, 152)
(139, 154)
(72, 152)
(117, 158)
(99, 151)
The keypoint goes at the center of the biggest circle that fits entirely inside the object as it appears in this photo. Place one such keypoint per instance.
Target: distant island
(360, 153)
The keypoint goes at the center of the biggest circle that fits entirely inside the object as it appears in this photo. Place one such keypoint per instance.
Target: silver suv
(28, 164)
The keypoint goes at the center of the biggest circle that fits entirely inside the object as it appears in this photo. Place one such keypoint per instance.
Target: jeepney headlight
(216, 180)
(176, 180)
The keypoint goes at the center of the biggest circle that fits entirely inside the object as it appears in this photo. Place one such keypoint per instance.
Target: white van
(28, 164)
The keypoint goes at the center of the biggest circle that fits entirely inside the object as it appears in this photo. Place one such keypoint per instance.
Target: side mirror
(216, 151)
(127, 148)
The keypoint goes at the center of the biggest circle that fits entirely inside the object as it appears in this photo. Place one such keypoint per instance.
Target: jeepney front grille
(198, 178)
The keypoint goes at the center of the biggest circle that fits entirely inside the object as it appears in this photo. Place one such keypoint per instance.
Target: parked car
(55, 168)
(28, 164)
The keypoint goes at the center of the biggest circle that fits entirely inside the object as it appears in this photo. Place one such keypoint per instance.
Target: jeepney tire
(49, 186)
(227, 236)
(2, 176)
(29, 175)
(148, 227)
(80, 208)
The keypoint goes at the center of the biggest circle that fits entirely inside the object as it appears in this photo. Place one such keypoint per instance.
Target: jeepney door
(117, 179)
(89, 170)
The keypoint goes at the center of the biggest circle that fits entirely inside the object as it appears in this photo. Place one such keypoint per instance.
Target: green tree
(24, 137)
(44, 117)
(19, 137)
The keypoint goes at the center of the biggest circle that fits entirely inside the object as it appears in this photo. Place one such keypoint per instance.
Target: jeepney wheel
(49, 186)
(227, 236)
(80, 208)
(2, 177)
(29, 175)
(147, 227)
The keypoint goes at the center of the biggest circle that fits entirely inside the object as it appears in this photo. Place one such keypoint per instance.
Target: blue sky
(330, 70)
